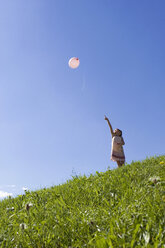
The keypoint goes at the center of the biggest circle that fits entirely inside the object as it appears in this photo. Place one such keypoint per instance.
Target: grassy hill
(120, 208)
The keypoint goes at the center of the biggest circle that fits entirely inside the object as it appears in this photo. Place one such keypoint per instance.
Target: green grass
(120, 208)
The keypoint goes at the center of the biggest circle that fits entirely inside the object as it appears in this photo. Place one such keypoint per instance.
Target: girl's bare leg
(120, 164)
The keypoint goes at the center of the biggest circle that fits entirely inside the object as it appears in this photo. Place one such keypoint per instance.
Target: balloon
(74, 63)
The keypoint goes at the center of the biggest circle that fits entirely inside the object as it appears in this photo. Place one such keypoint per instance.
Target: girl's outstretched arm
(109, 124)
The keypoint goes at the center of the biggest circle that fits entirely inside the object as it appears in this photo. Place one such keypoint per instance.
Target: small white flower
(8, 209)
(154, 179)
(28, 206)
(24, 188)
(23, 226)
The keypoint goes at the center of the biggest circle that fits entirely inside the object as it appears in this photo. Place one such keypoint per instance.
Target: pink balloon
(74, 62)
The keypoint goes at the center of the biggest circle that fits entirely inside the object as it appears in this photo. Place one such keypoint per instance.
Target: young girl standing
(117, 152)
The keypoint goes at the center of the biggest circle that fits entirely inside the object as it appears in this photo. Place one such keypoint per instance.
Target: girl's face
(117, 132)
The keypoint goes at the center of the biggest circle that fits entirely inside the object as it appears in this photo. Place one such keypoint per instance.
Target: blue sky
(52, 117)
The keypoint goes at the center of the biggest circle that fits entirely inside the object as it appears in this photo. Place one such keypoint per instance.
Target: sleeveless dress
(117, 152)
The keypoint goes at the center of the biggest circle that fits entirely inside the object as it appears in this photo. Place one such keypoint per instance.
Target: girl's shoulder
(117, 139)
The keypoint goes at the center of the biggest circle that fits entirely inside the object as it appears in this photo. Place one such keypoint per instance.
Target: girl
(117, 152)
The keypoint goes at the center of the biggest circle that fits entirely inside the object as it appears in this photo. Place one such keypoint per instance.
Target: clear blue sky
(52, 117)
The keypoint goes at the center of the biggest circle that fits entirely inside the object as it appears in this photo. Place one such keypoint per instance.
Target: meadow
(124, 207)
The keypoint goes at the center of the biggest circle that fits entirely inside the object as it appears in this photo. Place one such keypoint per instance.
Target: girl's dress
(117, 152)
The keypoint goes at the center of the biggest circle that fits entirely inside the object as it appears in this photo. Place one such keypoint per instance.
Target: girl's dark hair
(120, 131)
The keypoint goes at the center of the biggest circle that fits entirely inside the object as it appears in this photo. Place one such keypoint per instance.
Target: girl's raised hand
(105, 118)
